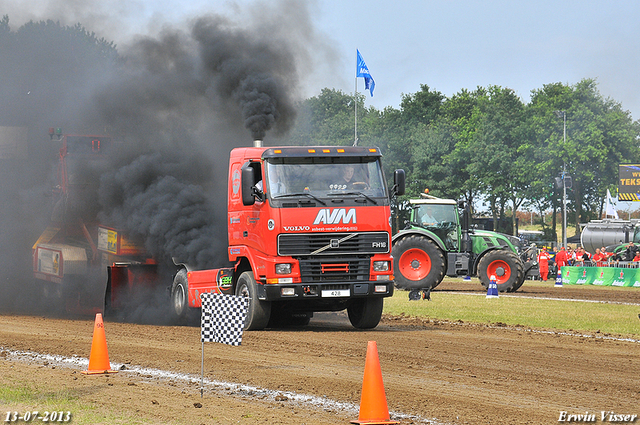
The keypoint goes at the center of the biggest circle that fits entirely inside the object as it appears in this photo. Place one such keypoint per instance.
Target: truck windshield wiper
(368, 198)
(291, 195)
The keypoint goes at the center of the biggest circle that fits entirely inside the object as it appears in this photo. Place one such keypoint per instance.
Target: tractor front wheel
(505, 266)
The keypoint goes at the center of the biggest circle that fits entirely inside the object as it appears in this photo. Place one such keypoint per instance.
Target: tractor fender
(420, 232)
(478, 257)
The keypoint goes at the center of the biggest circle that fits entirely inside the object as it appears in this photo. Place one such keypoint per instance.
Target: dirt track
(445, 372)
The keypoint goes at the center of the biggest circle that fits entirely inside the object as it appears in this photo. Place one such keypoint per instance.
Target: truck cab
(304, 239)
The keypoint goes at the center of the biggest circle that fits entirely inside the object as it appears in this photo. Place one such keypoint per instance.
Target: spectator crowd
(629, 257)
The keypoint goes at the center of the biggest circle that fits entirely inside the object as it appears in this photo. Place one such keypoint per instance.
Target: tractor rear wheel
(418, 263)
(505, 265)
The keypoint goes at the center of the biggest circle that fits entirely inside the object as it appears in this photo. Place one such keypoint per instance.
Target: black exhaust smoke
(180, 90)
(252, 74)
(178, 100)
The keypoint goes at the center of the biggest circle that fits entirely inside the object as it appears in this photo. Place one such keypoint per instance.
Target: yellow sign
(107, 240)
(629, 182)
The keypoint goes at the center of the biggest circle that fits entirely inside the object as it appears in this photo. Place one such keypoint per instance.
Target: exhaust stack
(257, 143)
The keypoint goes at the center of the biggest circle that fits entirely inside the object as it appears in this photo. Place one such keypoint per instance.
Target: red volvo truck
(302, 239)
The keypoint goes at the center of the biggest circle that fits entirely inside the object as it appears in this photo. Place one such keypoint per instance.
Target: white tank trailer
(608, 233)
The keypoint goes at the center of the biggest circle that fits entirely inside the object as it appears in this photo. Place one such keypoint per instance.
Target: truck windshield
(324, 180)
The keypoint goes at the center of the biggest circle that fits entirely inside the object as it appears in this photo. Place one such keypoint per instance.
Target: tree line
(484, 146)
(487, 146)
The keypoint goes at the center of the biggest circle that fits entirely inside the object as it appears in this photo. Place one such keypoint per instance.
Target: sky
(447, 45)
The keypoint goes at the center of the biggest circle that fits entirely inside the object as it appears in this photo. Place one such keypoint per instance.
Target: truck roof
(436, 201)
(307, 151)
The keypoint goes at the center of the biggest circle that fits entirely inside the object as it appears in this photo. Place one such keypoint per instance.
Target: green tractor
(439, 241)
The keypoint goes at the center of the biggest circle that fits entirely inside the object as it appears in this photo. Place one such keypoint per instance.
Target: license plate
(326, 293)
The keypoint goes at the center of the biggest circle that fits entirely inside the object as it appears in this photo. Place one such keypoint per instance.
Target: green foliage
(599, 136)
(52, 69)
(422, 107)
(327, 119)
(487, 144)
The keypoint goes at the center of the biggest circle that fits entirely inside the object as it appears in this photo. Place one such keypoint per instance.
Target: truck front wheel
(505, 265)
(418, 263)
(365, 313)
(259, 311)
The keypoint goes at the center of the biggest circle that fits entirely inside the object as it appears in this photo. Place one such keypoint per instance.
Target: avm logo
(338, 215)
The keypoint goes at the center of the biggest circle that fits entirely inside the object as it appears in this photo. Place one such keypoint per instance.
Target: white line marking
(235, 389)
(538, 298)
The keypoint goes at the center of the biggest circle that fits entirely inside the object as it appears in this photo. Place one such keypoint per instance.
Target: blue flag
(363, 71)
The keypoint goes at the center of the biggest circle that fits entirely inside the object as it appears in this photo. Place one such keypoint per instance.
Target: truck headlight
(380, 266)
(288, 292)
(380, 289)
(284, 268)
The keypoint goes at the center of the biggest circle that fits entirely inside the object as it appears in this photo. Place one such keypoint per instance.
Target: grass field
(55, 407)
(528, 312)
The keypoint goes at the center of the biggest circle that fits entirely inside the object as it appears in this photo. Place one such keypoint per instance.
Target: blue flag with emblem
(363, 71)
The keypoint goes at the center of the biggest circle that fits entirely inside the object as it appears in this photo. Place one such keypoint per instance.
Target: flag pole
(369, 84)
(355, 102)
(202, 373)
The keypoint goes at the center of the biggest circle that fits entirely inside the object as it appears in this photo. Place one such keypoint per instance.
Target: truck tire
(259, 311)
(365, 313)
(505, 265)
(179, 301)
(418, 263)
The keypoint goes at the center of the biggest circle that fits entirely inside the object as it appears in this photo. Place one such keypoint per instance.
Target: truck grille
(330, 269)
(304, 244)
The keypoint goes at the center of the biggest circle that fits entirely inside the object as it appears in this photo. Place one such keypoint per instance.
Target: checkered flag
(223, 318)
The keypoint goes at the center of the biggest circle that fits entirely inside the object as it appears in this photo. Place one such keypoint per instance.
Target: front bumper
(324, 292)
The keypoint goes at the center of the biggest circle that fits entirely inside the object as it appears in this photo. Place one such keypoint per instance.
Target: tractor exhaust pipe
(257, 143)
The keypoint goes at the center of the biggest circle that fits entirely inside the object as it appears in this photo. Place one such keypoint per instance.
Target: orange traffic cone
(99, 358)
(373, 403)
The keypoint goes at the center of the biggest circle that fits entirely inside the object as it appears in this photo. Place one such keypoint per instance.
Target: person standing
(543, 264)
(562, 258)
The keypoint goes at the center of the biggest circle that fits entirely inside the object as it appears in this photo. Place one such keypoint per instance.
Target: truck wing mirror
(398, 182)
(247, 186)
